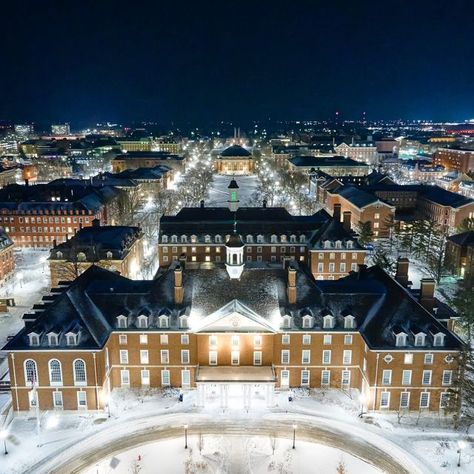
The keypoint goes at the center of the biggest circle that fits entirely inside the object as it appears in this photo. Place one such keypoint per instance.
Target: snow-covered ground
(139, 418)
(219, 194)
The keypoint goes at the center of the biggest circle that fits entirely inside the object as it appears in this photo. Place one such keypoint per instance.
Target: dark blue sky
(236, 60)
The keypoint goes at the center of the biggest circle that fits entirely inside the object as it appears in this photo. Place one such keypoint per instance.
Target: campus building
(234, 160)
(7, 258)
(148, 159)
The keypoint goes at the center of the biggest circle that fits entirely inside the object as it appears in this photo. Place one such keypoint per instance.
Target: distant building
(7, 257)
(332, 165)
(234, 160)
(8, 176)
(116, 248)
(135, 144)
(460, 253)
(359, 151)
(61, 129)
(168, 145)
(457, 159)
(148, 159)
(24, 130)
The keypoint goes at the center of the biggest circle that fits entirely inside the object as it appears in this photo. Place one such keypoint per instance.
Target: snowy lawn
(219, 194)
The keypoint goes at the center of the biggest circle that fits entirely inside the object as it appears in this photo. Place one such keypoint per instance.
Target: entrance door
(284, 378)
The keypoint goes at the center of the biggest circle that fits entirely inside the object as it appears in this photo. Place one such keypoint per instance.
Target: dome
(234, 241)
(235, 150)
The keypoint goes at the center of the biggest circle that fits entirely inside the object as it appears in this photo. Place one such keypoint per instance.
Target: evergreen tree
(383, 258)
(466, 225)
(365, 233)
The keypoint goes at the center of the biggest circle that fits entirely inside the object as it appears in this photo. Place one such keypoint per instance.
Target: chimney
(336, 214)
(346, 221)
(427, 287)
(264, 203)
(201, 203)
(291, 285)
(401, 274)
(95, 222)
(182, 261)
(178, 285)
(362, 270)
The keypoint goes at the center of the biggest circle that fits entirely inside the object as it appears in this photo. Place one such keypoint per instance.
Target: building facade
(7, 258)
(460, 254)
(141, 159)
(457, 159)
(234, 160)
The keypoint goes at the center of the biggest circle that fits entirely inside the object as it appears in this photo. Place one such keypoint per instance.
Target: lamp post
(3, 435)
(185, 436)
(362, 400)
(294, 436)
(461, 446)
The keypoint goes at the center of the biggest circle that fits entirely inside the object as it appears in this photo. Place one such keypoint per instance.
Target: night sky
(200, 61)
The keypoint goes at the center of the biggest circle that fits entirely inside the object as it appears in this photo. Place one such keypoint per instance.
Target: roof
(233, 185)
(151, 155)
(333, 230)
(445, 198)
(5, 240)
(236, 150)
(234, 241)
(357, 196)
(463, 239)
(235, 374)
(325, 161)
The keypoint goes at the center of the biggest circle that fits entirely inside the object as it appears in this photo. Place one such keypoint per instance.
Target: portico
(245, 383)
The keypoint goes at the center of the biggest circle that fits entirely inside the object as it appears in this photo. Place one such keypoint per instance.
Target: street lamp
(294, 436)
(362, 400)
(185, 436)
(4, 435)
(461, 446)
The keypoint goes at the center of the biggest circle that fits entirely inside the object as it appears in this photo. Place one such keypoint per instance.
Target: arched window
(307, 321)
(184, 239)
(218, 239)
(34, 339)
(164, 239)
(164, 321)
(349, 322)
(81, 257)
(249, 239)
(338, 244)
(59, 255)
(286, 321)
(292, 238)
(438, 339)
(274, 239)
(71, 339)
(349, 244)
(207, 239)
(327, 244)
(420, 339)
(328, 322)
(142, 321)
(79, 369)
(283, 238)
(194, 239)
(53, 339)
(31, 372)
(109, 254)
(122, 321)
(260, 239)
(401, 339)
(302, 238)
(174, 239)
(55, 373)
(183, 322)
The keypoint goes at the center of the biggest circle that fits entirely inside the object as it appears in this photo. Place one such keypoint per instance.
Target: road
(119, 437)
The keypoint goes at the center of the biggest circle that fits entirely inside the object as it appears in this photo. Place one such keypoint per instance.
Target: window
(184, 339)
(284, 378)
(349, 244)
(163, 339)
(332, 268)
(306, 339)
(185, 356)
(57, 399)
(424, 399)
(326, 357)
(406, 377)
(428, 359)
(305, 356)
(82, 400)
(145, 376)
(142, 321)
(285, 356)
(404, 399)
(328, 322)
(447, 377)
(305, 378)
(122, 321)
(426, 378)
(52, 339)
(212, 357)
(164, 321)
(438, 339)
(165, 356)
(124, 357)
(185, 378)
(257, 358)
(401, 339)
(235, 340)
(165, 378)
(125, 377)
(183, 322)
(257, 341)
(285, 339)
(347, 339)
(349, 321)
(307, 322)
(325, 378)
(420, 339)
(327, 339)
(80, 377)
(342, 267)
(34, 339)
(122, 339)
(346, 379)
(143, 339)
(212, 341)
(408, 359)
(385, 400)
(387, 377)
(347, 357)
(144, 357)
(443, 400)
(234, 357)
(55, 372)
(31, 372)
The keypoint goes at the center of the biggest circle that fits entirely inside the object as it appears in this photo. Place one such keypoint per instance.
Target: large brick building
(7, 257)
(209, 330)
(39, 215)
(457, 159)
(460, 253)
(269, 234)
(148, 159)
(234, 160)
(117, 248)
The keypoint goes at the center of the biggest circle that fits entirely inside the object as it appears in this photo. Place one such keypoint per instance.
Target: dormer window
(302, 239)
(34, 339)
(207, 239)
(53, 339)
(164, 322)
(183, 322)
(286, 321)
(328, 321)
(174, 239)
(420, 339)
(349, 244)
(327, 244)
(184, 239)
(164, 239)
(218, 239)
(71, 339)
(249, 239)
(142, 321)
(81, 257)
(293, 238)
(283, 239)
(109, 254)
(401, 339)
(438, 339)
(307, 322)
(338, 244)
(194, 239)
(349, 322)
(260, 239)
(59, 255)
(274, 239)
(122, 321)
